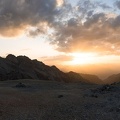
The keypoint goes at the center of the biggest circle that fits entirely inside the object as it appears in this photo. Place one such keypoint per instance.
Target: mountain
(22, 67)
(115, 78)
(92, 78)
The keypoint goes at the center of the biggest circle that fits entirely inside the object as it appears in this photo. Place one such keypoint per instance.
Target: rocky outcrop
(22, 67)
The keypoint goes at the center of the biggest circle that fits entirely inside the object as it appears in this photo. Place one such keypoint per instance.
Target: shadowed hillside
(92, 78)
(22, 67)
(113, 78)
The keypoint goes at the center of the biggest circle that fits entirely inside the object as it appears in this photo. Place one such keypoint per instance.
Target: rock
(60, 96)
(103, 89)
(95, 96)
(117, 109)
(106, 88)
(114, 109)
(21, 85)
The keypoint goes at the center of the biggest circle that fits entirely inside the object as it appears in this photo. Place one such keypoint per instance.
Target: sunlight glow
(59, 2)
(82, 58)
(91, 58)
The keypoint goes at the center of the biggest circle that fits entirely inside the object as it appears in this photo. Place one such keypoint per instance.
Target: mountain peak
(11, 58)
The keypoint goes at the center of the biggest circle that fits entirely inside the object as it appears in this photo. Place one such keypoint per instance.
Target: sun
(83, 58)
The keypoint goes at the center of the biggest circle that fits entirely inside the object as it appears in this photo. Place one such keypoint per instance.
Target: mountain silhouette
(22, 67)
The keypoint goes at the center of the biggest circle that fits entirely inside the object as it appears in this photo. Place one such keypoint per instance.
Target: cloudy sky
(80, 35)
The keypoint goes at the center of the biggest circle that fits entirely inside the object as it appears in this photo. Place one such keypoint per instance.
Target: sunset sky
(79, 35)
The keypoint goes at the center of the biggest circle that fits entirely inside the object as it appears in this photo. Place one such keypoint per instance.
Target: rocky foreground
(50, 100)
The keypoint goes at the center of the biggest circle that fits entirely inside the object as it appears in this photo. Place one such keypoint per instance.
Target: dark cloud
(117, 3)
(88, 26)
(98, 33)
(116, 22)
(85, 5)
(99, 17)
(90, 30)
(16, 15)
(104, 6)
(90, 13)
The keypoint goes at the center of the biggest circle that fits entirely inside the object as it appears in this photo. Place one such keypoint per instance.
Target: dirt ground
(45, 100)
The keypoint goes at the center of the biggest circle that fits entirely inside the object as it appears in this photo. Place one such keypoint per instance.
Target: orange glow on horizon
(91, 58)
(83, 58)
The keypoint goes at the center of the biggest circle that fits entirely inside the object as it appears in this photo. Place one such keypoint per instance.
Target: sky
(75, 35)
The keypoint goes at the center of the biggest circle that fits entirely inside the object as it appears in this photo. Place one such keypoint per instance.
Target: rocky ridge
(22, 67)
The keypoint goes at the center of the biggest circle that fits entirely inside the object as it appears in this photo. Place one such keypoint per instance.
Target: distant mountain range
(115, 78)
(22, 67)
(92, 78)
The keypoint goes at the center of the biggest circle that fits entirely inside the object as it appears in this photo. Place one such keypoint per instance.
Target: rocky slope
(115, 78)
(22, 67)
(92, 78)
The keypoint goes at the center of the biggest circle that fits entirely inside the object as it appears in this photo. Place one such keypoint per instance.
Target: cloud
(88, 26)
(97, 33)
(17, 15)
(92, 30)
(117, 3)
(104, 6)
(57, 60)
